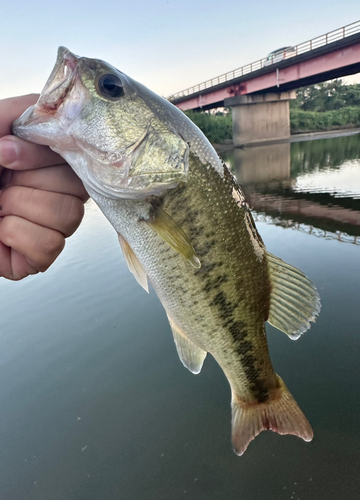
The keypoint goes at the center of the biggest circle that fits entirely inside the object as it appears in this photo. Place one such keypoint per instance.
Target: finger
(61, 212)
(59, 178)
(12, 108)
(39, 245)
(18, 154)
(14, 265)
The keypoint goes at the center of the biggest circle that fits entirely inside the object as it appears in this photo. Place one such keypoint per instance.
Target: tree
(327, 96)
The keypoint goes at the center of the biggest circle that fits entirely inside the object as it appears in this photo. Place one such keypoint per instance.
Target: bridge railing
(330, 37)
(315, 43)
(305, 228)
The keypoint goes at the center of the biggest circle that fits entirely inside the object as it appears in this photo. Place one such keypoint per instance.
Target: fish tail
(280, 414)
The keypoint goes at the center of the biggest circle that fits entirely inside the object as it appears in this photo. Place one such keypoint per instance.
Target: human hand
(41, 199)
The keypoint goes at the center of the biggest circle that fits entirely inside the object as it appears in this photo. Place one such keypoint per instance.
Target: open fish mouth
(42, 123)
(60, 82)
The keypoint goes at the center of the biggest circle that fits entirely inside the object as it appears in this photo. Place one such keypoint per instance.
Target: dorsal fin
(294, 301)
(170, 231)
(133, 263)
(191, 356)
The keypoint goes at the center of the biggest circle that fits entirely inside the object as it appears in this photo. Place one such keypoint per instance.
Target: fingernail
(8, 153)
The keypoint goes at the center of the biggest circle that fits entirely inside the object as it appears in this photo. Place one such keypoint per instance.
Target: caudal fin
(280, 414)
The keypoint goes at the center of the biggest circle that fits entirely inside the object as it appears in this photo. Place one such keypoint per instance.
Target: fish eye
(110, 86)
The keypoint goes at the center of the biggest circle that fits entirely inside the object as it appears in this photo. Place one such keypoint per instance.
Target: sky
(168, 45)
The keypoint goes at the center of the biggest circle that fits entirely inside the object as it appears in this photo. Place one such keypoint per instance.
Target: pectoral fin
(133, 263)
(294, 301)
(191, 356)
(170, 231)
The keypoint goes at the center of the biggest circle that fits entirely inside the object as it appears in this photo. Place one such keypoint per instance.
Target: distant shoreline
(308, 136)
(324, 134)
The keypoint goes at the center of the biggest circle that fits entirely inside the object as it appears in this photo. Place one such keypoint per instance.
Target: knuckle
(77, 211)
(40, 246)
(71, 213)
(53, 245)
(7, 231)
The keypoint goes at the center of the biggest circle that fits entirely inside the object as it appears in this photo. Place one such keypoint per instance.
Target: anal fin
(133, 263)
(280, 414)
(191, 356)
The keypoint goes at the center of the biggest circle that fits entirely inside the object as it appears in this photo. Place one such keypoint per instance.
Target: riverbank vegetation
(216, 126)
(325, 106)
(315, 121)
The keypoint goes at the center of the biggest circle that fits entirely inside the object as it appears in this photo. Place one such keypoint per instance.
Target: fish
(184, 225)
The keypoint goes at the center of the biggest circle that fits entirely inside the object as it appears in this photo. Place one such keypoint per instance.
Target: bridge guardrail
(315, 43)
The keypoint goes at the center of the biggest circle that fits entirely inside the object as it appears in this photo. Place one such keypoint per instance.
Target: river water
(95, 405)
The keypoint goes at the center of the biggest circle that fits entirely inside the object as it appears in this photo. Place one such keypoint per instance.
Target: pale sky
(168, 45)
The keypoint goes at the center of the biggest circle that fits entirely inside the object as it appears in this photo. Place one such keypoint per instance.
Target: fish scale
(183, 224)
(229, 311)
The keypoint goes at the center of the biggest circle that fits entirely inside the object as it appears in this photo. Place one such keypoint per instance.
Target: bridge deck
(332, 55)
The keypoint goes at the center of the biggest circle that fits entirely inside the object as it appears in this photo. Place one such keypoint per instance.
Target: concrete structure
(260, 117)
(260, 91)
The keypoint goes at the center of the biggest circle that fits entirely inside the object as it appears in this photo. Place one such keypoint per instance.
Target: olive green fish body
(184, 225)
(223, 305)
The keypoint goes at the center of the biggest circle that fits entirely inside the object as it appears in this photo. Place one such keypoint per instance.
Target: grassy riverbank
(218, 127)
(313, 121)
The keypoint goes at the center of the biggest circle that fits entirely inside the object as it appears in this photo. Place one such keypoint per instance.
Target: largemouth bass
(183, 224)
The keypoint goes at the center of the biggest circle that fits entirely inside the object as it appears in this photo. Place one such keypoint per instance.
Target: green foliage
(217, 127)
(310, 121)
(327, 96)
(325, 106)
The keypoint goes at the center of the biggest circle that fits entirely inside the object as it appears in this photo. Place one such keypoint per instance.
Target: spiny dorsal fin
(170, 231)
(133, 263)
(294, 301)
(191, 356)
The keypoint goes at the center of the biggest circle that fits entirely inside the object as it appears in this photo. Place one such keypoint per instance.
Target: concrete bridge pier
(260, 117)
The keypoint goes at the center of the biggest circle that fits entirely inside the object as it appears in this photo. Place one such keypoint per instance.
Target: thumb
(12, 108)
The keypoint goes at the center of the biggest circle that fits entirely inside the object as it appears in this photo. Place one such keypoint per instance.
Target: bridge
(259, 93)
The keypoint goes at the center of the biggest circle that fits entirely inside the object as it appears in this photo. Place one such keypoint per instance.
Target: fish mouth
(41, 123)
(59, 83)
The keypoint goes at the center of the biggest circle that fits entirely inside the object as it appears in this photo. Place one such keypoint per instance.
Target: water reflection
(95, 403)
(260, 164)
(312, 186)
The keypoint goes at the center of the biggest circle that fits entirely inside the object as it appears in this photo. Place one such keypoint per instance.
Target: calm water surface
(95, 404)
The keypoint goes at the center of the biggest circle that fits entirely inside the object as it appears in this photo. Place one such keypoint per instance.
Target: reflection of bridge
(299, 211)
(305, 228)
(266, 176)
(260, 93)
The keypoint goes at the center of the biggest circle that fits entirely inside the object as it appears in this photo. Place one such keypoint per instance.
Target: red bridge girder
(296, 73)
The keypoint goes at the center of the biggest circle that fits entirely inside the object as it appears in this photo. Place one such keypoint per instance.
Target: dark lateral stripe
(242, 344)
